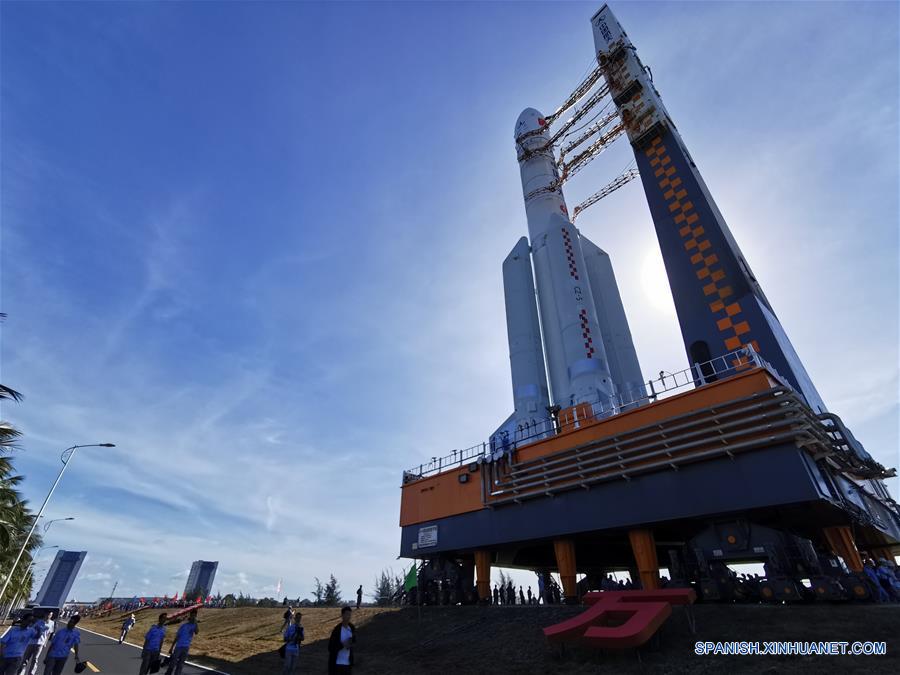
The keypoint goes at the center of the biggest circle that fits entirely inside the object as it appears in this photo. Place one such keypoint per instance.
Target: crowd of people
(154, 641)
(340, 642)
(506, 595)
(884, 579)
(22, 645)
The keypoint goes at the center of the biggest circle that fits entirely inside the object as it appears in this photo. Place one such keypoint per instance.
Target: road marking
(93, 668)
(131, 644)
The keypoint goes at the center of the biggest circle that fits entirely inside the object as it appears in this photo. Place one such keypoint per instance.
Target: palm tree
(21, 583)
(15, 517)
(9, 496)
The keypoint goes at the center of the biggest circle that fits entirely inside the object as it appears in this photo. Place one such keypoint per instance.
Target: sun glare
(655, 283)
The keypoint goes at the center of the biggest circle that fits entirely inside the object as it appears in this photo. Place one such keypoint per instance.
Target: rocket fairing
(720, 305)
(576, 359)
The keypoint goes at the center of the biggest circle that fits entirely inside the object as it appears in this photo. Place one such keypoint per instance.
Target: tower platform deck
(743, 443)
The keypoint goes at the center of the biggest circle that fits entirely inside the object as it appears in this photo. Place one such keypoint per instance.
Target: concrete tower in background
(200, 580)
(60, 578)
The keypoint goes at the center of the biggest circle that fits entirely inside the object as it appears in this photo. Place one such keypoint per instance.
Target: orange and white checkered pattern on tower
(732, 324)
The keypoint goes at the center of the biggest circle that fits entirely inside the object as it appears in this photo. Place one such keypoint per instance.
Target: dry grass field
(499, 640)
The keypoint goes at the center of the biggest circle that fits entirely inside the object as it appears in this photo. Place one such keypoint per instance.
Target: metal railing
(667, 384)
(727, 428)
(438, 464)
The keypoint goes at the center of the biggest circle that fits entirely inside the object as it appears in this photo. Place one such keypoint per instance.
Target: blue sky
(258, 246)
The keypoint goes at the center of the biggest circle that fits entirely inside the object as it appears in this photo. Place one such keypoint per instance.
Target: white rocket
(568, 310)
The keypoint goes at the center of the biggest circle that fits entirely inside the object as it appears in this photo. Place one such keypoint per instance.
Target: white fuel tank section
(526, 353)
(623, 359)
(576, 359)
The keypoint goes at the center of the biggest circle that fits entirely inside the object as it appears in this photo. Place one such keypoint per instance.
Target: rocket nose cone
(529, 120)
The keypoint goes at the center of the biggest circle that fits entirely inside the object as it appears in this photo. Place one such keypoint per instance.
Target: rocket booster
(576, 359)
(617, 340)
(526, 354)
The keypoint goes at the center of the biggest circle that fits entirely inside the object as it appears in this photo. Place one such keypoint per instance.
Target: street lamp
(65, 460)
(55, 520)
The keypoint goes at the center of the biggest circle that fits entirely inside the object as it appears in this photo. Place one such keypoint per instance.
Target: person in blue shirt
(127, 625)
(293, 636)
(62, 642)
(179, 652)
(879, 594)
(14, 644)
(153, 641)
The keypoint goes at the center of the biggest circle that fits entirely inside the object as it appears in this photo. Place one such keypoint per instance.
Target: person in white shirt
(340, 644)
(44, 628)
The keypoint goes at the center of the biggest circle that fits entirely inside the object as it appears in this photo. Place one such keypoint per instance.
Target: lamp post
(65, 460)
(15, 601)
(55, 520)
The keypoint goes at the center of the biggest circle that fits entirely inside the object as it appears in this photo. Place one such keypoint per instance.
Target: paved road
(108, 656)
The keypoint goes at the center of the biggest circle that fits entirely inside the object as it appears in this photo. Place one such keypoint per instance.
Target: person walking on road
(41, 628)
(359, 597)
(288, 615)
(340, 644)
(48, 626)
(127, 625)
(153, 642)
(14, 644)
(179, 652)
(293, 636)
(62, 642)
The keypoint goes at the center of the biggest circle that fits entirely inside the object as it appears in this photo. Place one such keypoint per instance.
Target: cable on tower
(626, 177)
(593, 129)
(584, 157)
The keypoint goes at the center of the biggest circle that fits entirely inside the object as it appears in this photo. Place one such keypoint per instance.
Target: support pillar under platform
(840, 539)
(565, 561)
(644, 548)
(483, 574)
